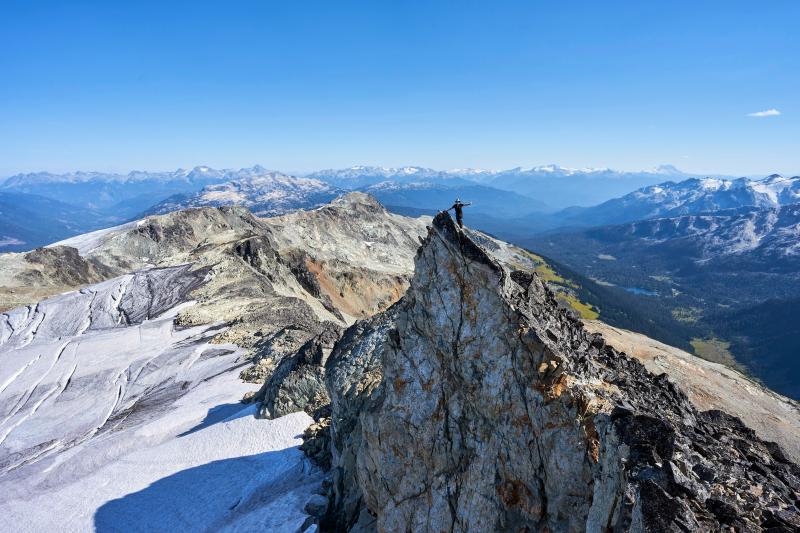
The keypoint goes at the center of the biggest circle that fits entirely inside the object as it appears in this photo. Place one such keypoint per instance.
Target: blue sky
(304, 85)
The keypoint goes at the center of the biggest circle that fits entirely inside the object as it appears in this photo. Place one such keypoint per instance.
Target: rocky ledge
(477, 403)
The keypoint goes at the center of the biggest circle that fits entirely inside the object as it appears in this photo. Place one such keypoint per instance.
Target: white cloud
(768, 113)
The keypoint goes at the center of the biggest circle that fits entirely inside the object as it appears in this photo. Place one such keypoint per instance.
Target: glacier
(113, 417)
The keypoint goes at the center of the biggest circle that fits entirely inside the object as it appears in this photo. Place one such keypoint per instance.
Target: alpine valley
(701, 256)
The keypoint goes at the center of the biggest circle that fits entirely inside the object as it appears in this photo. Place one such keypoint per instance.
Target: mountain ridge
(476, 400)
(690, 196)
(265, 194)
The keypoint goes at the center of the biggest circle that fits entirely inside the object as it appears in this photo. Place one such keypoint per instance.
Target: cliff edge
(476, 403)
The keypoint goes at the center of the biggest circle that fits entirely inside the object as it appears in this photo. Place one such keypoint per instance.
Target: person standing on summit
(459, 207)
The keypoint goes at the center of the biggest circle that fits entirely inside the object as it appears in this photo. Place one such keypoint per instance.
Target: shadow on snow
(220, 413)
(276, 484)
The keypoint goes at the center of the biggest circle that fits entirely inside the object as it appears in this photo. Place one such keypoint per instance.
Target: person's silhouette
(459, 208)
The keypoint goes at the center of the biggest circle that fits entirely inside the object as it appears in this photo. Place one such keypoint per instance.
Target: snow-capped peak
(711, 184)
(471, 171)
(696, 195)
(552, 168)
(558, 170)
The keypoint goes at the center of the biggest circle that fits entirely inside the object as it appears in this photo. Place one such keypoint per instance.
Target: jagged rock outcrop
(271, 349)
(714, 386)
(476, 403)
(65, 266)
(353, 372)
(298, 382)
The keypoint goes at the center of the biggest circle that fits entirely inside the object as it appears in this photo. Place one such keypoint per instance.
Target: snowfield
(113, 418)
(87, 243)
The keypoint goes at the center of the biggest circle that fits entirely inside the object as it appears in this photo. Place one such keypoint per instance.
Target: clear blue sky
(300, 85)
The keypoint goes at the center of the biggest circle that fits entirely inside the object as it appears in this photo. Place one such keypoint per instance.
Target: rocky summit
(476, 403)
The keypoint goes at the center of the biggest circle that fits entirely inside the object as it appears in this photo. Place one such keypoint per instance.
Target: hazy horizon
(304, 172)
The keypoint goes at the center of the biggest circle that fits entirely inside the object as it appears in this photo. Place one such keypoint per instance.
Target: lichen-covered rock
(476, 404)
(270, 349)
(298, 383)
(259, 372)
(317, 441)
(353, 371)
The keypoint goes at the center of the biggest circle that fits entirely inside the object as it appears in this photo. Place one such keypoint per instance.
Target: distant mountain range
(515, 203)
(426, 188)
(30, 220)
(40, 208)
(553, 185)
(358, 177)
(562, 187)
(691, 196)
(265, 194)
(436, 196)
(549, 186)
(273, 193)
(121, 195)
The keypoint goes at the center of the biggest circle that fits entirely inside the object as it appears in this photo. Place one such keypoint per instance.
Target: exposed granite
(484, 406)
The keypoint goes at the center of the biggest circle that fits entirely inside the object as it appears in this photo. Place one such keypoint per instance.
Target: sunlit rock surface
(711, 385)
(484, 406)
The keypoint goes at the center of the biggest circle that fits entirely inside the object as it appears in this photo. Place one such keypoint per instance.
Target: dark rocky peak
(63, 265)
(297, 383)
(477, 403)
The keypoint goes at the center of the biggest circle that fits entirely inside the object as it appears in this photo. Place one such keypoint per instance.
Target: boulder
(298, 382)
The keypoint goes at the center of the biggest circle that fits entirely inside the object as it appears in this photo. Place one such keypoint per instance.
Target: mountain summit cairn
(477, 403)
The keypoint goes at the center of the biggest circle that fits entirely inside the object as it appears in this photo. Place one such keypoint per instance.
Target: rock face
(713, 386)
(298, 382)
(353, 372)
(476, 403)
